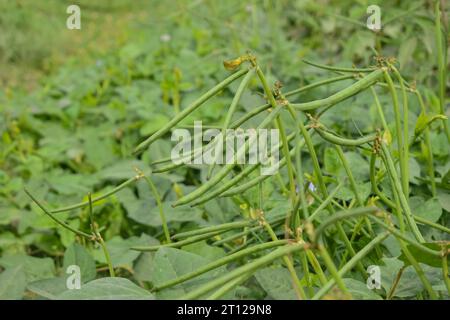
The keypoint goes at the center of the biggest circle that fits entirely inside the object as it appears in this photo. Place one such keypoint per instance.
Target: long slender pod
(192, 107)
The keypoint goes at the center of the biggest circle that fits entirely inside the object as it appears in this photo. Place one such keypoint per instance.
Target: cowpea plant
(303, 238)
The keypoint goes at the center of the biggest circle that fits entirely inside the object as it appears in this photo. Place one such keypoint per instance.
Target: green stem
(325, 203)
(398, 131)
(379, 109)
(405, 150)
(98, 238)
(442, 67)
(332, 268)
(160, 208)
(287, 260)
(106, 253)
(428, 146)
(398, 189)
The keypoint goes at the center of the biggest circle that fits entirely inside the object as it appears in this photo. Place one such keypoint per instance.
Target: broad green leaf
(142, 267)
(277, 282)
(444, 200)
(203, 249)
(414, 170)
(359, 290)
(78, 255)
(49, 288)
(34, 268)
(430, 209)
(409, 285)
(157, 122)
(107, 289)
(12, 283)
(170, 263)
(406, 51)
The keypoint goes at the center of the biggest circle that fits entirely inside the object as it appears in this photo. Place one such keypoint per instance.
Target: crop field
(239, 150)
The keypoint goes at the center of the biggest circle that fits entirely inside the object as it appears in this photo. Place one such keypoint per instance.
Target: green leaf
(34, 268)
(157, 122)
(142, 267)
(107, 289)
(203, 249)
(430, 209)
(78, 255)
(12, 283)
(406, 51)
(409, 284)
(414, 170)
(170, 263)
(49, 288)
(359, 290)
(277, 282)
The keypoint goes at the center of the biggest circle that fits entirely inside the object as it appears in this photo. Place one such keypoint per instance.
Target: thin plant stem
(395, 284)
(429, 151)
(442, 67)
(379, 109)
(405, 150)
(287, 260)
(332, 268)
(398, 189)
(160, 207)
(398, 131)
(99, 239)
